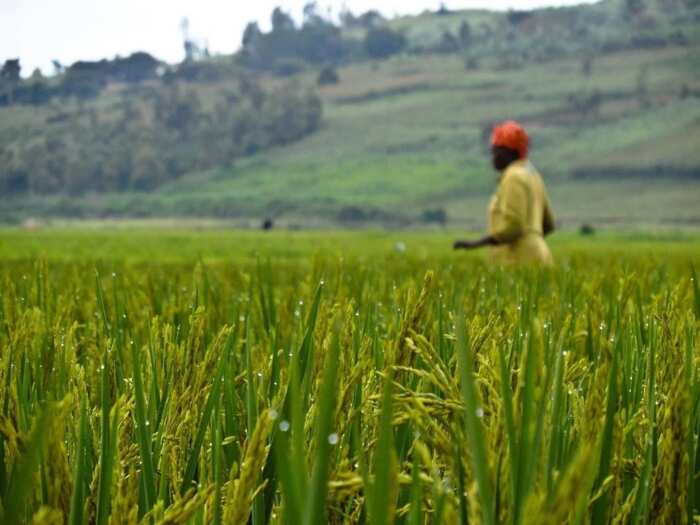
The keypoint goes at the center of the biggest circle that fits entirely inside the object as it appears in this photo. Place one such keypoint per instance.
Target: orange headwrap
(511, 135)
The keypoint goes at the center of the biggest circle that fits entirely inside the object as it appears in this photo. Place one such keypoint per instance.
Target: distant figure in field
(520, 215)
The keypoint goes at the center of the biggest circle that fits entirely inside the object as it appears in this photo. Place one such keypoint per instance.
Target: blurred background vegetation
(369, 121)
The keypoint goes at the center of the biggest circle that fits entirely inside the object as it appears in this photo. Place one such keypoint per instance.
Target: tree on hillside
(382, 42)
(10, 77)
(587, 65)
(346, 17)
(11, 70)
(251, 35)
(287, 48)
(634, 7)
(465, 34)
(328, 76)
(58, 68)
(312, 16)
(281, 21)
(443, 10)
(518, 17)
(448, 43)
(85, 79)
(137, 67)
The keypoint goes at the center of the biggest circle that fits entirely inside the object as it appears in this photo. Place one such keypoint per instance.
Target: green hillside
(615, 133)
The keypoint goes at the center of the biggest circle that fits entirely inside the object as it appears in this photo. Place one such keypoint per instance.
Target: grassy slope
(405, 135)
(143, 244)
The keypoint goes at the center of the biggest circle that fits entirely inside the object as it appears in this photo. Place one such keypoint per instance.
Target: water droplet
(284, 426)
(114, 274)
(273, 414)
(333, 439)
(479, 412)
(297, 313)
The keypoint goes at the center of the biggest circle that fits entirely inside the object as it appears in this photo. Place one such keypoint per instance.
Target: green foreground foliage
(354, 381)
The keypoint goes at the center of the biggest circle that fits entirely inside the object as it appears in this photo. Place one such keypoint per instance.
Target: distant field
(141, 243)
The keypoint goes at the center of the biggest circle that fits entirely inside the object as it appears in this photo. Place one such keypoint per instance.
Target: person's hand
(463, 245)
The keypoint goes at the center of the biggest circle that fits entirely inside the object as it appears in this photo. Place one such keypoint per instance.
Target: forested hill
(368, 120)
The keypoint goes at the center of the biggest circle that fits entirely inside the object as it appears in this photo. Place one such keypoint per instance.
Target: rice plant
(350, 390)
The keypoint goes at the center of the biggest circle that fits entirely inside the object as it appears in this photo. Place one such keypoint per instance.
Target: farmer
(520, 215)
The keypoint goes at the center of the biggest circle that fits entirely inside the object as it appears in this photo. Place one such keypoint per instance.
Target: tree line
(518, 37)
(83, 79)
(287, 48)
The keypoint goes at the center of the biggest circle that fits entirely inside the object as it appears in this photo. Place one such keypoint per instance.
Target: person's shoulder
(517, 172)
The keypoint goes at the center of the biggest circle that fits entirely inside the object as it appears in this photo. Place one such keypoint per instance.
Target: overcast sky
(38, 31)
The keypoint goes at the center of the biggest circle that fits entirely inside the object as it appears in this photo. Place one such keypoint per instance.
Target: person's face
(502, 157)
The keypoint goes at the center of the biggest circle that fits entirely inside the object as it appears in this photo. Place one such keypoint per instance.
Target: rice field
(355, 382)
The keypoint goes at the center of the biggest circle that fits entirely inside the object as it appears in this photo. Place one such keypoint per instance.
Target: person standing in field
(520, 214)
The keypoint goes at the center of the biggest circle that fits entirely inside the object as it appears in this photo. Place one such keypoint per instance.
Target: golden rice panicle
(125, 509)
(669, 494)
(184, 508)
(48, 516)
(125, 493)
(241, 492)
(474, 504)
(571, 492)
(59, 475)
(412, 321)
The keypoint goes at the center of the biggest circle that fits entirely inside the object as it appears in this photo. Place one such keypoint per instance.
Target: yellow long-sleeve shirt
(518, 214)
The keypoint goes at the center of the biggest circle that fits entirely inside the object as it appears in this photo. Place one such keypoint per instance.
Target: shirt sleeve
(511, 210)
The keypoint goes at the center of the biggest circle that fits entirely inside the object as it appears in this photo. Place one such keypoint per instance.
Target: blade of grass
(472, 422)
(415, 513)
(383, 501)
(193, 459)
(80, 476)
(315, 508)
(107, 448)
(143, 434)
(21, 485)
(599, 512)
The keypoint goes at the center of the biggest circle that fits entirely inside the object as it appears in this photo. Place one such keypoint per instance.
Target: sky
(40, 31)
